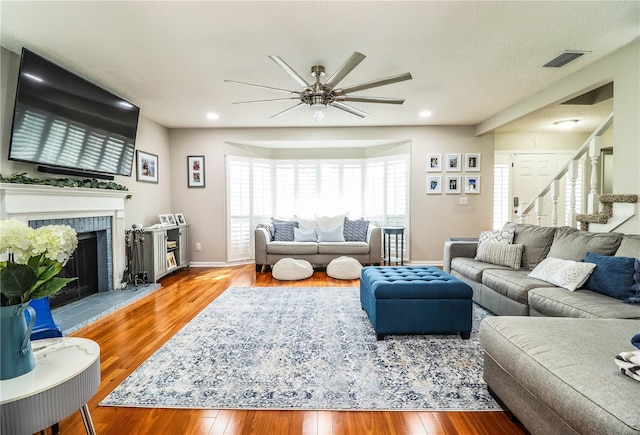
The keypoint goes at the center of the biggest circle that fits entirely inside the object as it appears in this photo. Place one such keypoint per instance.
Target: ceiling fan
(319, 95)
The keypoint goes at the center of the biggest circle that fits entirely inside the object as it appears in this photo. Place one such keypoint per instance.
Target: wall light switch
(464, 200)
(198, 246)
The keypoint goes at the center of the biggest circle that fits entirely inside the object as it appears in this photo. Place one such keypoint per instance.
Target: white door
(531, 173)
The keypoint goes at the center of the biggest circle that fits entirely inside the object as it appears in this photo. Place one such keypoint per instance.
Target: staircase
(610, 217)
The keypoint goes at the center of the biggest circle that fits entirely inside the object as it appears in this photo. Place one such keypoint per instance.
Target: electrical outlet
(464, 200)
(198, 246)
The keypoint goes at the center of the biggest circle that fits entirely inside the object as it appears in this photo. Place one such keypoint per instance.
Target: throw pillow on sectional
(356, 230)
(613, 276)
(334, 234)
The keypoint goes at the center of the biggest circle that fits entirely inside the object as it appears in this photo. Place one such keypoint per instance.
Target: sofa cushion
(536, 240)
(292, 248)
(305, 223)
(305, 235)
(355, 231)
(514, 284)
(327, 222)
(567, 364)
(558, 302)
(471, 268)
(499, 253)
(345, 248)
(284, 231)
(568, 274)
(571, 244)
(613, 276)
(335, 234)
(629, 246)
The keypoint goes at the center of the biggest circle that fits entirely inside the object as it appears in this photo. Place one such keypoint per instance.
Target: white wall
(434, 218)
(148, 200)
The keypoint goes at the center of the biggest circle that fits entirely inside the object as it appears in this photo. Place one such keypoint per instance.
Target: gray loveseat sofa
(508, 291)
(268, 251)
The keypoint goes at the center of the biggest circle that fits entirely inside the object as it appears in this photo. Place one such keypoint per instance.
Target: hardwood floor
(130, 335)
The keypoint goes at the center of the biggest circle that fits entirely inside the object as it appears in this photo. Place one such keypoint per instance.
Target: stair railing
(570, 170)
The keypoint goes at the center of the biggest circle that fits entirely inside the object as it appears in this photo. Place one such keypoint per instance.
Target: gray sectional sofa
(549, 355)
(268, 251)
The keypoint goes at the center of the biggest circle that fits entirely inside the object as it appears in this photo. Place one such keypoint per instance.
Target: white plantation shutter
(258, 189)
(500, 195)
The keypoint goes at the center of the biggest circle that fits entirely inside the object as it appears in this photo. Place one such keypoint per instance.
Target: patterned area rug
(305, 348)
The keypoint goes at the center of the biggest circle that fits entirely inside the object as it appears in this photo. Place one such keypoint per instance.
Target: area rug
(305, 348)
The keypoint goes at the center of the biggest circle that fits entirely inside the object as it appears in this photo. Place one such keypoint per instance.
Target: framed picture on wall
(472, 162)
(472, 184)
(434, 184)
(434, 163)
(195, 171)
(453, 162)
(146, 167)
(453, 184)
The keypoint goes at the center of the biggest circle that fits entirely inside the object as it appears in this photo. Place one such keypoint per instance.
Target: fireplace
(94, 213)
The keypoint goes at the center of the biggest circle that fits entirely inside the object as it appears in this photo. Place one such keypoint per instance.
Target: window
(258, 189)
(500, 195)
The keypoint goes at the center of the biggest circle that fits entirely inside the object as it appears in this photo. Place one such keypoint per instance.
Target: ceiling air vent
(563, 59)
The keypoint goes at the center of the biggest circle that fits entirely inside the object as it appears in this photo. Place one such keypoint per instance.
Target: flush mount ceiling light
(425, 114)
(212, 115)
(566, 124)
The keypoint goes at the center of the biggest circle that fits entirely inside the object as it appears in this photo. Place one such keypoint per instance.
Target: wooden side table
(66, 376)
(387, 232)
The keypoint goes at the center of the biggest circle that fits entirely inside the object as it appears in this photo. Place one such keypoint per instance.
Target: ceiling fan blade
(286, 110)
(297, 77)
(347, 108)
(263, 87)
(345, 69)
(371, 99)
(374, 84)
(263, 101)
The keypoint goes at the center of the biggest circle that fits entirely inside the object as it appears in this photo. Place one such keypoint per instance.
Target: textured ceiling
(469, 60)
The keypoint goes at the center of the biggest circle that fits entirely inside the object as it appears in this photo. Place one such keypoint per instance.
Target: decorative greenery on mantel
(22, 178)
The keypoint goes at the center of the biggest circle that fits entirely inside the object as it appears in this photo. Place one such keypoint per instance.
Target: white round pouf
(290, 269)
(344, 268)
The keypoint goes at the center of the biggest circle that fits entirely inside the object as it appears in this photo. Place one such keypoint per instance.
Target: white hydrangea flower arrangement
(31, 259)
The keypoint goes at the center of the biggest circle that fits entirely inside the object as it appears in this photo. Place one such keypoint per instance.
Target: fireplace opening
(84, 265)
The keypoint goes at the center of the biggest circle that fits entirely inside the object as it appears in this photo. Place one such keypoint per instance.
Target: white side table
(66, 376)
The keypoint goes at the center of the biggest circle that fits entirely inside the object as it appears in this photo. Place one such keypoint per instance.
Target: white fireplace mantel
(27, 202)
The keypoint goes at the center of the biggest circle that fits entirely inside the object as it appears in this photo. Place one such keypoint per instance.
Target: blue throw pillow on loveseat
(613, 276)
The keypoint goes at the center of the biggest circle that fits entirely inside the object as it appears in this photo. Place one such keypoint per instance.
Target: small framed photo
(167, 219)
(434, 184)
(146, 167)
(171, 260)
(180, 219)
(453, 162)
(472, 162)
(434, 163)
(195, 171)
(454, 184)
(472, 184)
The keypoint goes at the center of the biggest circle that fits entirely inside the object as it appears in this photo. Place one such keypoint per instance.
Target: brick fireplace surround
(78, 207)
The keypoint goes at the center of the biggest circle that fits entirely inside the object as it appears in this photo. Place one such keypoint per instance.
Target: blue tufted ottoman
(415, 300)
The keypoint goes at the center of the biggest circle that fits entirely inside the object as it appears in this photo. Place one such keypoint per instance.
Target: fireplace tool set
(133, 274)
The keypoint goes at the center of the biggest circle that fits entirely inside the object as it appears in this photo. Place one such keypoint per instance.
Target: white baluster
(594, 197)
(555, 189)
(538, 209)
(522, 215)
(573, 176)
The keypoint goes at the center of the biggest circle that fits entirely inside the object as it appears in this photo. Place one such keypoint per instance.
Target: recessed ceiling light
(213, 115)
(425, 114)
(566, 124)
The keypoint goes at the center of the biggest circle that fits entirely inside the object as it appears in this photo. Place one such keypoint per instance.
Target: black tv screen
(63, 121)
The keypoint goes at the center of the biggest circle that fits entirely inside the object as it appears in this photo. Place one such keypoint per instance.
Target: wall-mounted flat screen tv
(62, 121)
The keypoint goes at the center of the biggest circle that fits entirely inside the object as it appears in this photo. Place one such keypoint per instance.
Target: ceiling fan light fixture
(566, 124)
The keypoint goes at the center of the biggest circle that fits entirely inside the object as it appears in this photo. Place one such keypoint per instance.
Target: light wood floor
(129, 336)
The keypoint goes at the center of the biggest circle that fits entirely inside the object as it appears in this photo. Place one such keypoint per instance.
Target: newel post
(555, 191)
(573, 176)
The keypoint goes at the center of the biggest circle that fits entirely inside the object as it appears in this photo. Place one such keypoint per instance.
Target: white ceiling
(469, 60)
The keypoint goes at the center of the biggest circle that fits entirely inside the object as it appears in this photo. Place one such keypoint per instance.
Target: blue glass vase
(16, 355)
